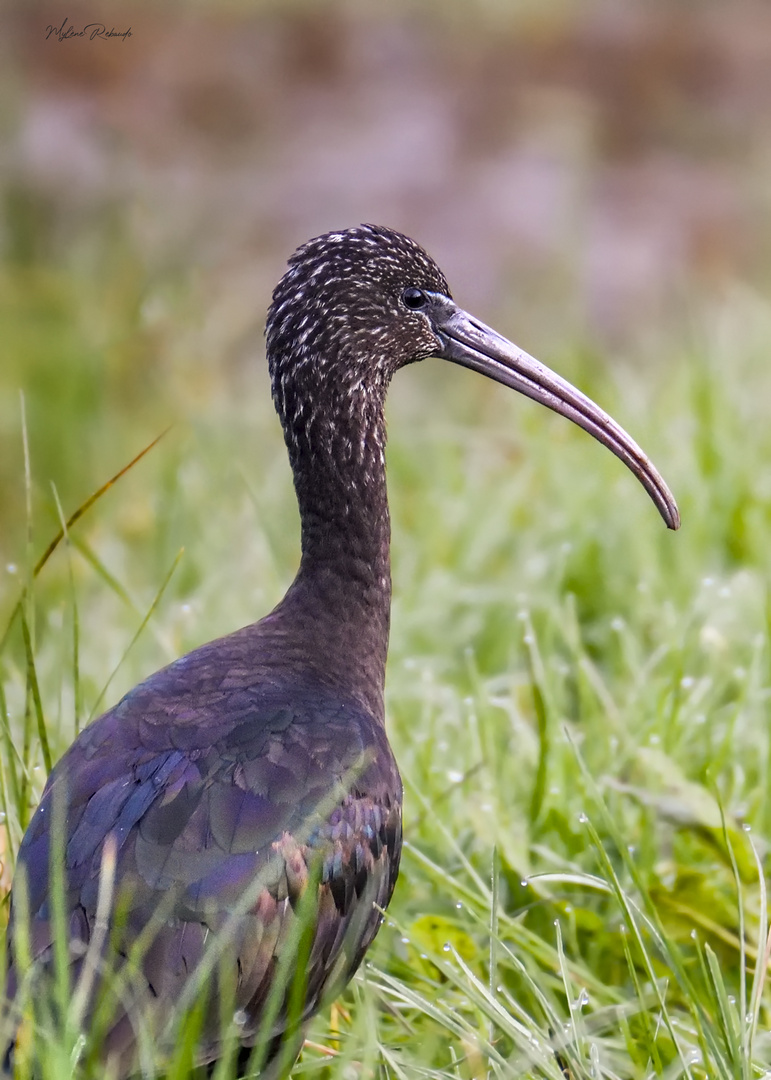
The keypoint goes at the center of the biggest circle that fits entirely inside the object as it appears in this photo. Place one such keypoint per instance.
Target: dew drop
(11, 567)
(583, 818)
(524, 883)
(405, 941)
(240, 1017)
(459, 905)
(747, 827)
(446, 947)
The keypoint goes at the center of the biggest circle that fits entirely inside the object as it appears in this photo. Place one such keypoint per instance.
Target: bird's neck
(338, 607)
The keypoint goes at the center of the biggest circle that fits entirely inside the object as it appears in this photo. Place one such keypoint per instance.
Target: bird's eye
(414, 299)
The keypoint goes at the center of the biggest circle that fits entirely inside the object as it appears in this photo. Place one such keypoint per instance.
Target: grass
(578, 699)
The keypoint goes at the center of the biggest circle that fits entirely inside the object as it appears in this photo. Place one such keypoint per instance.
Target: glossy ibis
(254, 772)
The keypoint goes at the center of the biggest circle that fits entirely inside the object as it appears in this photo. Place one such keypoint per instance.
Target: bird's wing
(218, 829)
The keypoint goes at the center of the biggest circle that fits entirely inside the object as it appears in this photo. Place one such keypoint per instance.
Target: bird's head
(343, 313)
(355, 306)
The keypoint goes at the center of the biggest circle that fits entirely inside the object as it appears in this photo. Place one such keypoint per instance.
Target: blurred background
(590, 175)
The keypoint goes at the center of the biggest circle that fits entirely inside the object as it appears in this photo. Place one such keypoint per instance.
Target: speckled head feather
(338, 329)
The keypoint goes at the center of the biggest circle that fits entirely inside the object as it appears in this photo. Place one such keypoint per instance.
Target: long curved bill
(468, 342)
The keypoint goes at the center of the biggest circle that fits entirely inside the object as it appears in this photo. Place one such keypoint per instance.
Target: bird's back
(227, 785)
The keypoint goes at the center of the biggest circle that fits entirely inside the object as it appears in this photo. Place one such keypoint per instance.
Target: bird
(243, 801)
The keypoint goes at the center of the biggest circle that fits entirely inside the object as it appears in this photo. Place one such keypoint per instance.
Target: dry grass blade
(72, 520)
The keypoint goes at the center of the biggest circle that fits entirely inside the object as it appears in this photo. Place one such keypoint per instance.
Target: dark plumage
(260, 761)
